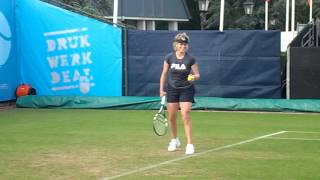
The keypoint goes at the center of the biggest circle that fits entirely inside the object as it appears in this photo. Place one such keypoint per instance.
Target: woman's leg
(185, 114)
(172, 116)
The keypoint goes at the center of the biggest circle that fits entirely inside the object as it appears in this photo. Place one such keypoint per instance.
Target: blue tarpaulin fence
(233, 64)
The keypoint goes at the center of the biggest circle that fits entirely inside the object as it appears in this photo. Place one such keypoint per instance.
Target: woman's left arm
(195, 71)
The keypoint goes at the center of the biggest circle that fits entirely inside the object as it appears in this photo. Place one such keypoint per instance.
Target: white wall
(286, 38)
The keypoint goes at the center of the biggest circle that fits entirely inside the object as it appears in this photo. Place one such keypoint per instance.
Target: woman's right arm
(163, 78)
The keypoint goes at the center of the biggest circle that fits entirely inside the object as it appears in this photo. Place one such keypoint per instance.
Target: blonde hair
(181, 37)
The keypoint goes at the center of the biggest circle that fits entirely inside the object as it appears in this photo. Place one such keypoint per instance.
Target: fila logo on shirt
(178, 66)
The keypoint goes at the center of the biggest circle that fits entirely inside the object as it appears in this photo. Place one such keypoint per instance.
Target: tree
(95, 7)
(235, 18)
(234, 15)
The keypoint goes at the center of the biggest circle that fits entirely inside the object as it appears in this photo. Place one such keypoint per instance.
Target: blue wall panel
(238, 64)
(8, 60)
(64, 53)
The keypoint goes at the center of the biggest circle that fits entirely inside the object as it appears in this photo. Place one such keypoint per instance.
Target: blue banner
(64, 53)
(8, 61)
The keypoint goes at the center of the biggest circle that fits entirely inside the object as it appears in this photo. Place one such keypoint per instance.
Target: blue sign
(64, 53)
(8, 61)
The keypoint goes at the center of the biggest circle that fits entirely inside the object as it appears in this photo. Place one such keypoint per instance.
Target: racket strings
(160, 124)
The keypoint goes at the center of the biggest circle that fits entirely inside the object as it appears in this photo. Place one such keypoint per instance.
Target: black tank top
(179, 69)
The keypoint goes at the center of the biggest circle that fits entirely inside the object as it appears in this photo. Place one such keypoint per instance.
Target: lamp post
(248, 7)
(203, 8)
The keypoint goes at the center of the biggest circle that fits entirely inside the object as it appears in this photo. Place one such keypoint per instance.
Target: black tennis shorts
(180, 94)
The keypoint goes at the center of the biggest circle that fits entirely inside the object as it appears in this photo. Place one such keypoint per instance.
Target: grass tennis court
(120, 144)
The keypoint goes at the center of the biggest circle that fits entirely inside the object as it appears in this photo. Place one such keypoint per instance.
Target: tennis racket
(160, 122)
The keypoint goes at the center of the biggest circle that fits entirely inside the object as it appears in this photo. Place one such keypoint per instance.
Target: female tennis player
(179, 71)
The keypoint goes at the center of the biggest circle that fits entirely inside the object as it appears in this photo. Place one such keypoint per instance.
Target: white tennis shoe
(189, 149)
(174, 144)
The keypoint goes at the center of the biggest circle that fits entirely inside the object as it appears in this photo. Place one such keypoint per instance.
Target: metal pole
(266, 15)
(288, 75)
(287, 15)
(310, 15)
(125, 62)
(221, 15)
(293, 15)
(115, 12)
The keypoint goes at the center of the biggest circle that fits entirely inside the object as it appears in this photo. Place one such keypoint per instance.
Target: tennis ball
(190, 77)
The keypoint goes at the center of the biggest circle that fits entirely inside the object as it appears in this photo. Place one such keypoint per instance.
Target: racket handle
(163, 100)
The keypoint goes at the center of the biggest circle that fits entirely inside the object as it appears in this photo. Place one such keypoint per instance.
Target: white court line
(302, 132)
(261, 112)
(190, 156)
(301, 139)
